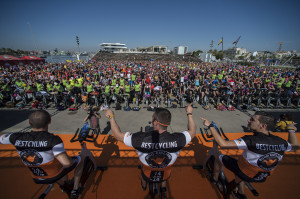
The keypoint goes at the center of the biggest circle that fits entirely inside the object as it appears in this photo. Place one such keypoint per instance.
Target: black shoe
(163, 192)
(241, 196)
(74, 194)
(143, 187)
(67, 187)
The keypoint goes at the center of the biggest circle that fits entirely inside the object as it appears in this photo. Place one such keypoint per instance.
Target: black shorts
(76, 161)
(232, 164)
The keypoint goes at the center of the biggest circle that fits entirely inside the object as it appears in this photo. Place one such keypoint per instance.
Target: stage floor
(121, 179)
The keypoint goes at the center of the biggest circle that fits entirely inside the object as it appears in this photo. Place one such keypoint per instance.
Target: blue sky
(193, 23)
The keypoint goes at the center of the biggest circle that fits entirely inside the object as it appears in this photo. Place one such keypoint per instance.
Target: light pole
(77, 41)
(211, 45)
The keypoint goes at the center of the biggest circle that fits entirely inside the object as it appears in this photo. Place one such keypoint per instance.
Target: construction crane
(280, 45)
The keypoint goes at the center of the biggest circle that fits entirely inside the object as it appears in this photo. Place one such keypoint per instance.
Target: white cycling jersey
(37, 150)
(261, 153)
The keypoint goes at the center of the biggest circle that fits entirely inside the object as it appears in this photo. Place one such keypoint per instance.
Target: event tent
(8, 59)
(32, 59)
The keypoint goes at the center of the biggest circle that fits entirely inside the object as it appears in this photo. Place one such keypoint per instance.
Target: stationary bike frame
(89, 161)
(154, 188)
(224, 186)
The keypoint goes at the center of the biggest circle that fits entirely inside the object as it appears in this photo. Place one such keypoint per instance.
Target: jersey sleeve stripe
(127, 139)
(241, 143)
(59, 148)
(4, 139)
(289, 147)
(187, 137)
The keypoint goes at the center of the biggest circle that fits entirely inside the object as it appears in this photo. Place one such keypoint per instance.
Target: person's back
(262, 150)
(44, 154)
(157, 149)
(157, 152)
(261, 154)
(93, 116)
(37, 151)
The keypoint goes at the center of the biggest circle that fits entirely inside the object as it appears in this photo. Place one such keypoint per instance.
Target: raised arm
(221, 142)
(292, 136)
(191, 123)
(86, 118)
(114, 126)
(97, 115)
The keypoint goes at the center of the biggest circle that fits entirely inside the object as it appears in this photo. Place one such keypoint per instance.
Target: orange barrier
(121, 180)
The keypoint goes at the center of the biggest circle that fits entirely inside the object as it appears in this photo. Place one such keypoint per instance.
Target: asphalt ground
(67, 122)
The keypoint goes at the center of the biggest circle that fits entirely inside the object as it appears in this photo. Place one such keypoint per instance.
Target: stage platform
(121, 179)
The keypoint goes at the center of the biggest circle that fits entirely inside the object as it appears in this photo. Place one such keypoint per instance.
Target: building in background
(157, 49)
(121, 48)
(180, 50)
(113, 47)
(207, 57)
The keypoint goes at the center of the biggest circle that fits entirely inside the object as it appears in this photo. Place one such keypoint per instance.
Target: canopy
(8, 59)
(32, 59)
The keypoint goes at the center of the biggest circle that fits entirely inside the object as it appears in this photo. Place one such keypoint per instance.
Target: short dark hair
(286, 116)
(163, 116)
(266, 118)
(39, 119)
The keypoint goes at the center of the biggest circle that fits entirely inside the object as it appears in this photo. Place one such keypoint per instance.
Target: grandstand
(102, 56)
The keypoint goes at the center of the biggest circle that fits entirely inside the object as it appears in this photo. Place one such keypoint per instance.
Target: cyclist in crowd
(262, 150)
(284, 121)
(79, 77)
(157, 149)
(44, 154)
(93, 116)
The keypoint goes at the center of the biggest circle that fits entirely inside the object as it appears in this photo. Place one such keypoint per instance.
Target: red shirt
(152, 87)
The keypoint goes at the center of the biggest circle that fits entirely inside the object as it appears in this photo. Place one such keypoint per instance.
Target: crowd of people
(146, 79)
(190, 80)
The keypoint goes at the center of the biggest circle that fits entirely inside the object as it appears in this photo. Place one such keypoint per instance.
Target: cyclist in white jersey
(44, 154)
(262, 150)
(157, 149)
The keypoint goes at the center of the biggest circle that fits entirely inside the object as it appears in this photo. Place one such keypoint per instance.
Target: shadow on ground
(10, 118)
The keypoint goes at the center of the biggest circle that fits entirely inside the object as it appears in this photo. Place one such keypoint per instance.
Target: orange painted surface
(121, 180)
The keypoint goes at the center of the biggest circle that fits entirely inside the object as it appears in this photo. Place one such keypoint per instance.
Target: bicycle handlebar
(84, 136)
(207, 134)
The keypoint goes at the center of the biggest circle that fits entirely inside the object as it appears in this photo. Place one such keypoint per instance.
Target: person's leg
(241, 185)
(217, 163)
(143, 183)
(63, 180)
(79, 168)
(164, 184)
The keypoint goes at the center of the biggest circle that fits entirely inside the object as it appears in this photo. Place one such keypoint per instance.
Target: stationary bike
(225, 187)
(155, 187)
(89, 162)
